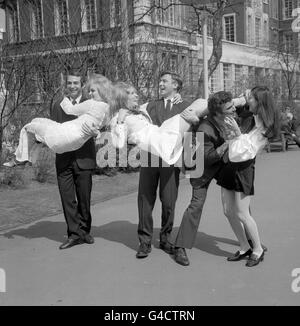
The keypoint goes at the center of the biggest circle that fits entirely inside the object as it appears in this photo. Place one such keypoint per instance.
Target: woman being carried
(70, 135)
(134, 125)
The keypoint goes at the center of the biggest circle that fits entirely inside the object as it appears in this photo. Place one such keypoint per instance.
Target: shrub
(6, 152)
(15, 178)
(44, 167)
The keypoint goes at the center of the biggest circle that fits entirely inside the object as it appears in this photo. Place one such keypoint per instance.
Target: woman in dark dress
(237, 176)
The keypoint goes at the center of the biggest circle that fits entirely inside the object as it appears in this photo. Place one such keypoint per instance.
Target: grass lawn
(39, 200)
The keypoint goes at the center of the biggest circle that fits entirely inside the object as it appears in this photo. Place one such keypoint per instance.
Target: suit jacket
(84, 156)
(157, 112)
(212, 161)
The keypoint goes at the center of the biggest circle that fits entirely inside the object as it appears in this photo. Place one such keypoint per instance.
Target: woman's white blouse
(247, 146)
(96, 109)
(123, 132)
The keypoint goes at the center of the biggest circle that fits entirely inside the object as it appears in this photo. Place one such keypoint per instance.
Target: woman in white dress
(237, 176)
(70, 135)
(134, 125)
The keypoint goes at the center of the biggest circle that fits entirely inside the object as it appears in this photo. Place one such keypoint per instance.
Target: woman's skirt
(238, 177)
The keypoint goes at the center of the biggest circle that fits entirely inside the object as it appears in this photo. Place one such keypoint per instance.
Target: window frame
(58, 32)
(234, 26)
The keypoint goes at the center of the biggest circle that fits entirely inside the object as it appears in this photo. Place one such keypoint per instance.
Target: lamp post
(205, 55)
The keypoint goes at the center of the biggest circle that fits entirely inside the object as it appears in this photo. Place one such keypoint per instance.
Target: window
(13, 23)
(274, 9)
(115, 13)
(183, 66)
(251, 72)
(89, 16)
(61, 17)
(238, 72)
(215, 81)
(249, 30)
(266, 33)
(227, 76)
(257, 31)
(173, 16)
(41, 83)
(287, 9)
(289, 44)
(36, 19)
(229, 28)
(173, 63)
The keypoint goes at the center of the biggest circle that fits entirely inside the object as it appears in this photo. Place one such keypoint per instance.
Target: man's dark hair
(74, 72)
(217, 100)
(175, 78)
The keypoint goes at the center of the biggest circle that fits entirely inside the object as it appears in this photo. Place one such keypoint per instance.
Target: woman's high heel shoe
(238, 256)
(255, 260)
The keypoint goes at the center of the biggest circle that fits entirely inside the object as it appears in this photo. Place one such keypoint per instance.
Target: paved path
(107, 273)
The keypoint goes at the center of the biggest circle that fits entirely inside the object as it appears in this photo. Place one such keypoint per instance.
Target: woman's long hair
(266, 110)
(105, 89)
(121, 94)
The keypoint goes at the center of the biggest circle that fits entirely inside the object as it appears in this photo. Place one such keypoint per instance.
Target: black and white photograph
(149, 155)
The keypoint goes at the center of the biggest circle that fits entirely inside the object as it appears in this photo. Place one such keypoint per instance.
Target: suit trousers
(188, 229)
(168, 180)
(75, 187)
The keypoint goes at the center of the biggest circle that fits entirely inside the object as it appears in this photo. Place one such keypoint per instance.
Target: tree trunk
(1, 138)
(217, 52)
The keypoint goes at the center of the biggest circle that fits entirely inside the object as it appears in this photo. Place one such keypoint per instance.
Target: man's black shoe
(71, 243)
(89, 239)
(181, 257)
(167, 247)
(143, 251)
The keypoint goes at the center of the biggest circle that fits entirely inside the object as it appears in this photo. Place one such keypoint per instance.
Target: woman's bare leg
(242, 204)
(228, 201)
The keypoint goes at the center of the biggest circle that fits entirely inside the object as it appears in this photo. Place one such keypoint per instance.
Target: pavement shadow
(119, 231)
(122, 232)
(54, 231)
(210, 244)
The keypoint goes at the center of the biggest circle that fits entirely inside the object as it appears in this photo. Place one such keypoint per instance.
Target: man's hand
(177, 99)
(90, 130)
(122, 114)
(190, 116)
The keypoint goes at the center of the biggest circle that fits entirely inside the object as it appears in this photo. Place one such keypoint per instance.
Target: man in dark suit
(74, 173)
(167, 177)
(220, 105)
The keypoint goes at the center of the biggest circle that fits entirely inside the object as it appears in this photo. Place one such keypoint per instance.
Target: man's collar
(214, 122)
(169, 98)
(78, 99)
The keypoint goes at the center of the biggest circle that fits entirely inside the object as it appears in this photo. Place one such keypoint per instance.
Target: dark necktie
(74, 102)
(168, 106)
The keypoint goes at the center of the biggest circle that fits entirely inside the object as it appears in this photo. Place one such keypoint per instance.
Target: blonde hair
(104, 88)
(125, 87)
(121, 94)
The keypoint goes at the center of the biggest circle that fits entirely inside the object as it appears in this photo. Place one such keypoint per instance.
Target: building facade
(151, 41)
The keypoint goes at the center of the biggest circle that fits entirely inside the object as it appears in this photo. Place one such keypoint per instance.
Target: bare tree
(19, 89)
(215, 10)
(287, 56)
